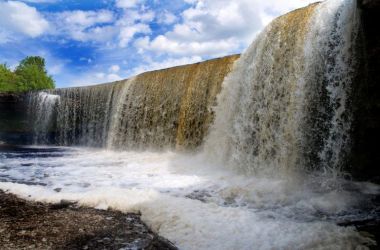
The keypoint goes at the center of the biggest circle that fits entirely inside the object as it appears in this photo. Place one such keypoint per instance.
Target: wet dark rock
(365, 157)
(62, 204)
(34, 225)
(201, 195)
(13, 120)
(370, 3)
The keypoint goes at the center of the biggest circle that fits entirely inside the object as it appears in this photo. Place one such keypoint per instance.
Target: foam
(194, 204)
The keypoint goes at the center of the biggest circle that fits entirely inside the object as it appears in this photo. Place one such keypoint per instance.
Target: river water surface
(193, 203)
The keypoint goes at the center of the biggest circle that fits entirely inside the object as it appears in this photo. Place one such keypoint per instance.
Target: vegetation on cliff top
(30, 74)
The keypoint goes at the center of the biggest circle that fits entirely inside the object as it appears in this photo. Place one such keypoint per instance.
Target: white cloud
(17, 17)
(163, 44)
(133, 16)
(127, 3)
(114, 68)
(102, 26)
(113, 77)
(39, 1)
(170, 62)
(133, 23)
(207, 28)
(128, 32)
(166, 17)
(217, 27)
(55, 69)
(86, 18)
(5, 36)
(85, 26)
(94, 77)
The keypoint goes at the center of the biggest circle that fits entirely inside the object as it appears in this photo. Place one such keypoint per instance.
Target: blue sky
(88, 41)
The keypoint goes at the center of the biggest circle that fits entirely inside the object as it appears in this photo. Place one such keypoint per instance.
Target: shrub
(30, 74)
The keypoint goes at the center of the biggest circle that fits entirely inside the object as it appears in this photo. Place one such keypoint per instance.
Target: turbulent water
(266, 173)
(194, 204)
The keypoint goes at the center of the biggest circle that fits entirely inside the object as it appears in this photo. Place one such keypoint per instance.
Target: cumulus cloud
(86, 18)
(114, 68)
(134, 16)
(39, 1)
(102, 26)
(127, 3)
(128, 32)
(164, 45)
(5, 37)
(167, 18)
(149, 35)
(215, 27)
(91, 78)
(85, 26)
(150, 65)
(132, 23)
(208, 28)
(55, 69)
(19, 18)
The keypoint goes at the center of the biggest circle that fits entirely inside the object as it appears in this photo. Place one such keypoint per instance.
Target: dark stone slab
(14, 125)
(365, 159)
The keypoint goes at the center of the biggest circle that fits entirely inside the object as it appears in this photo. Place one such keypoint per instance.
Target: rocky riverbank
(34, 225)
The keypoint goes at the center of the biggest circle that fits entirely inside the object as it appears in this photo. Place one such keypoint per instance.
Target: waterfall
(83, 115)
(337, 37)
(168, 108)
(44, 106)
(73, 116)
(269, 136)
(285, 105)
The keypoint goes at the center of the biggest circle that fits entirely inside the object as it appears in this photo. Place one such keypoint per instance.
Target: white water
(44, 106)
(195, 205)
(284, 106)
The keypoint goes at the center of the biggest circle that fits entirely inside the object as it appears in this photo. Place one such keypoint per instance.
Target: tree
(8, 80)
(33, 75)
(30, 74)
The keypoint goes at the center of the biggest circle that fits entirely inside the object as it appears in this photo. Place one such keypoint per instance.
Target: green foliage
(9, 82)
(30, 74)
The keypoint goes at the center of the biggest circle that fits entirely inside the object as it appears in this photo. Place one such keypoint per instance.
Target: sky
(87, 42)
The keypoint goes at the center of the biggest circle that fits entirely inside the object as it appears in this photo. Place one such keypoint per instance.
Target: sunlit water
(193, 203)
